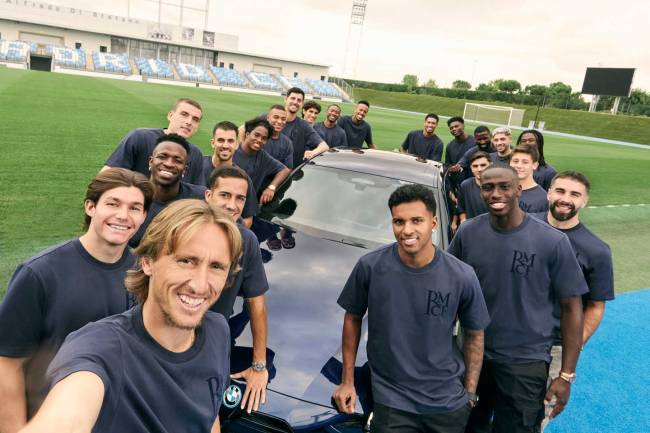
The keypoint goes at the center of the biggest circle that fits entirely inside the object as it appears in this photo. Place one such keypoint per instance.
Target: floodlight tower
(355, 33)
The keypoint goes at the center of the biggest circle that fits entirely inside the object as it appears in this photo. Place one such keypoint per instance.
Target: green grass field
(58, 130)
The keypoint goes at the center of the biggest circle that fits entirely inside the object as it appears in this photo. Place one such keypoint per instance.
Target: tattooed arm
(473, 349)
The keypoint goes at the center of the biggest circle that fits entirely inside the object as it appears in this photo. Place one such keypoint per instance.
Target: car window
(340, 205)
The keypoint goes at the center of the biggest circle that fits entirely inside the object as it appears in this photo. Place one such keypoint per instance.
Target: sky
(533, 42)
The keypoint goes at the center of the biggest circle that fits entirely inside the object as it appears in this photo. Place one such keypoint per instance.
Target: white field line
(611, 206)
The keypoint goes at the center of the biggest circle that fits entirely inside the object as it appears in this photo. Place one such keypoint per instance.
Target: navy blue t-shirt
(416, 143)
(356, 133)
(51, 295)
(500, 160)
(258, 166)
(137, 146)
(544, 175)
(415, 365)
(186, 190)
(523, 272)
(464, 160)
(595, 259)
(302, 136)
(533, 200)
(251, 205)
(281, 149)
(148, 388)
(250, 281)
(456, 149)
(334, 136)
(470, 201)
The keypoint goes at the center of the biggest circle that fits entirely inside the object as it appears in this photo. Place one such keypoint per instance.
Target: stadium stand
(68, 57)
(14, 51)
(324, 88)
(229, 77)
(192, 73)
(262, 80)
(154, 68)
(295, 82)
(118, 63)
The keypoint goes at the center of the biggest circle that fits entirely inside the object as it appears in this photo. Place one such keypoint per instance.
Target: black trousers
(388, 420)
(511, 398)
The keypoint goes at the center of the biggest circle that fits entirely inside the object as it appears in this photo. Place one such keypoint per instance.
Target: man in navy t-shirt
(567, 195)
(259, 165)
(227, 191)
(524, 160)
(224, 143)
(163, 365)
(64, 287)
(167, 165)
(136, 147)
(502, 142)
(412, 293)
(470, 202)
(525, 267)
(278, 145)
(424, 143)
(329, 130)
(357, 130)
(482, 137)
(456, 148)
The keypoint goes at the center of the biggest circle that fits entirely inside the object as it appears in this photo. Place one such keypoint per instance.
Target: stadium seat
(229, 77)
(14, 51)
(192, 73)
(262, 80)
(324, 88)
(295, 82)
(154, 68)
(118, 63)
(68, 57)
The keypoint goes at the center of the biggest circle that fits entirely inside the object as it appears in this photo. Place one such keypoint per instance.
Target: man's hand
(455, 168)
(267, 195)
(255, 387)
(560, 389)
(345, 398)
(309, 154)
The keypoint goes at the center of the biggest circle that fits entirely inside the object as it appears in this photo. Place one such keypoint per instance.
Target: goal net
(493, 114)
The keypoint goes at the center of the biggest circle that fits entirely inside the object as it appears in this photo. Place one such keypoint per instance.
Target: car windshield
(340, 205)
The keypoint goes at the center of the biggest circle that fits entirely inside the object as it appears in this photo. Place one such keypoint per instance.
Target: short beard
(563, 217)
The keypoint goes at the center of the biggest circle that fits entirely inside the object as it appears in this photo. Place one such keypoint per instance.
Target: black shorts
(388, 420)
(511, 398)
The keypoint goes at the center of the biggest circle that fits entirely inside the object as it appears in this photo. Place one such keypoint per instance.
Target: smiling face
(255, 140)
(184, 120)
(293, 102)
(528, 138)
(167, 163)
(500, 190)
(117, 215)
(184, 284)
(333, 114)
(566, 197)
(278, 119)
(229, 194)
(502, 143)
(477, 166)
(413, 226)
(310, 115)
(360, 112)
(224, 144)
(482, 139)
(430, 125)
(524, 165)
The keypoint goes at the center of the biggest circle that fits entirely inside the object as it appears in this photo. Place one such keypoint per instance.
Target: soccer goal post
(495, 114)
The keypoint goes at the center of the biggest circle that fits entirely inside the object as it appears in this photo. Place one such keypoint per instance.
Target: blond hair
(175, 224)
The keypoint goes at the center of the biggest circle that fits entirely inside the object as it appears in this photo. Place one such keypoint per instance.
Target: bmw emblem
(232, 396)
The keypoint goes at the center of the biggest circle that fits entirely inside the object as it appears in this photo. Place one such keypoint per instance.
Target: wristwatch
(258, 366)
(569, 377)
(271, 187)
(473, 399)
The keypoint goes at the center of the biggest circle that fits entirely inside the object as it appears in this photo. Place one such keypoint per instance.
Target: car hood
(304, 327)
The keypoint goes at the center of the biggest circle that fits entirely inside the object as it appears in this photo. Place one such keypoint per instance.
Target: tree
(559, 88)
(536, 89)
(431, 84)
(410, 81)
(461, 85)
(509, 86)
(485, 87)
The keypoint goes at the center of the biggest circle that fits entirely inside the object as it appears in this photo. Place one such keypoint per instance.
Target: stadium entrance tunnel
(40, 63)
